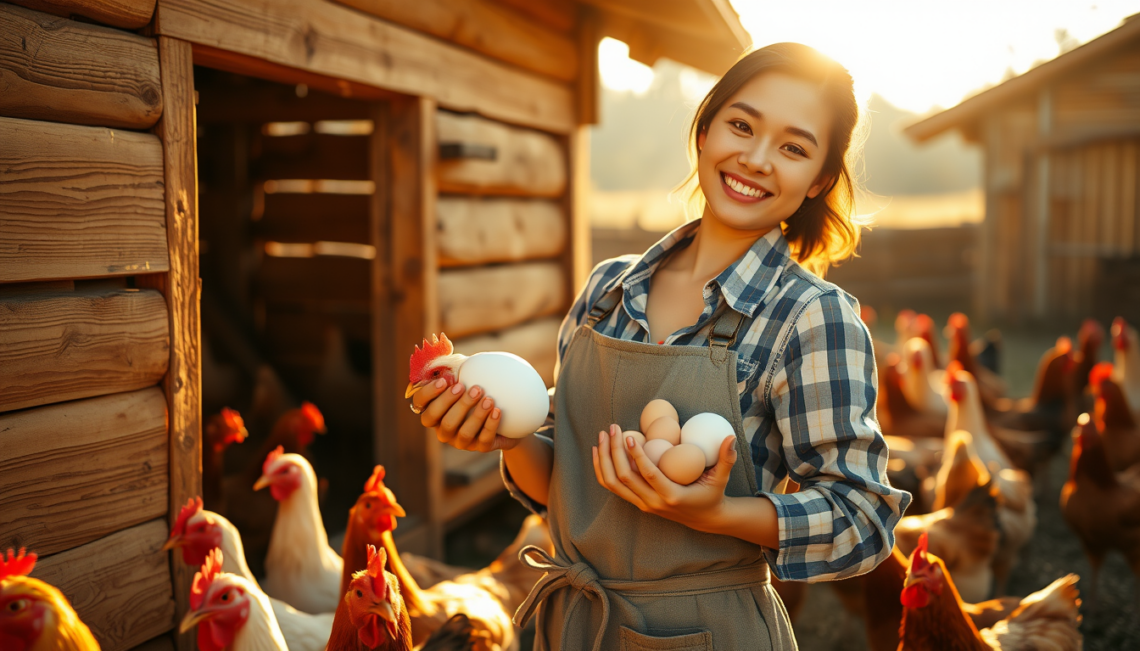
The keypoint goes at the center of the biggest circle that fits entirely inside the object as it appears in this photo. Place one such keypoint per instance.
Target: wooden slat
(313, 156)
(315, 217)
(527, 163)
(128, 14)
(64, 346)
(119, 585)
(79, 202)
(56, 69)
(289, 280)
(77, 471)
(327, 39)
(182, 286)
(256, 101)
(484, 299)
(536, 342)
(477, 231)
(485, 27)
(556, 14)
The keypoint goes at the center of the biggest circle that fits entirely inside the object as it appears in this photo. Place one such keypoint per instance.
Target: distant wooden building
(368, 172)
(1062, 166)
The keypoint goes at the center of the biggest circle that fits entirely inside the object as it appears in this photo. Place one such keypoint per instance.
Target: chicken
(923, 326)
(300, 567)
(1115, 422)
(222, 430)
(197, 532)
(896, 415)
(1089, 340)
(990, 385)
(1101, 509)
(483, 599)
(912, 465)
(35, 616)
(231, 613)
(921, 381)
(934, 618)
(1126, 370)
(372, 615)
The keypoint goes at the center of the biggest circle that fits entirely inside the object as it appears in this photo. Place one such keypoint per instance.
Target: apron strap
(723, 334)
(579, 576)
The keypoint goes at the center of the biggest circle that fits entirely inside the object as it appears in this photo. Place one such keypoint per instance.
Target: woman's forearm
(749, 518)
(530, 464)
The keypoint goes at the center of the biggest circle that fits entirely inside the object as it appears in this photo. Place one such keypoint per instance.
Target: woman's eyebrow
(803, 133)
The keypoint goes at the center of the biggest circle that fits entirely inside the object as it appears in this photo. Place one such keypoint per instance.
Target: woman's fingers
(604, 468)
(724, 462)
(626, 473)
(484, 440)
(427, 393)
(457, 414)
(651, 474)
(468, 431)
(434, 411)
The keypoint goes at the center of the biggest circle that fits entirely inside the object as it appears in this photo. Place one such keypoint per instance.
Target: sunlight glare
(619, 72)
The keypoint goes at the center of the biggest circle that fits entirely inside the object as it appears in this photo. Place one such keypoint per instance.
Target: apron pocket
(631, 640)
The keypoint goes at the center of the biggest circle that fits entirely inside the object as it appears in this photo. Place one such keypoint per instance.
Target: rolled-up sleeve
(822, 396)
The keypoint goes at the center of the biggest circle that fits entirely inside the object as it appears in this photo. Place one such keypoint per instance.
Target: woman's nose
(757, 160)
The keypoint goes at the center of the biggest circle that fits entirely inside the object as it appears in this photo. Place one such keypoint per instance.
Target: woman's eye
(796, 149)
(742, 125)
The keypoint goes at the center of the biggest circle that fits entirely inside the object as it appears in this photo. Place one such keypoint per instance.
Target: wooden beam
(56, 69)
(258, 102)
(479, 231)
(555, 14)
(79, 202)
(483, 299)
(581, 259)
(647, 44)
(485, 27)
(339, 43)
(526, 162)
(61, 346)
(589, 36)
(183, 382)
(127, 14)
(80, 470)
(119, 585)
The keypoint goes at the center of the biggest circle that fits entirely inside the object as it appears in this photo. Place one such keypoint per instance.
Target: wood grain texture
(56, 69)
(319, 37)
(535, 341)
(65, 346)
(119, 585)
(78, 202)
(559, 15)
(527, 163)
(478, 231)
(183, 382)
(128, 14)
(484, 299)
(80, 470)
(487, 28)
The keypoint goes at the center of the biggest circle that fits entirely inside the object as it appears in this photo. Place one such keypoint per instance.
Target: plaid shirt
(807, 382)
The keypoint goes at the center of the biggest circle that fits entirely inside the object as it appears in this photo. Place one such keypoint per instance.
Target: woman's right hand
(460, 417)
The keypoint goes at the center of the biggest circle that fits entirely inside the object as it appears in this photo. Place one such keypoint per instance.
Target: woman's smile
(744, 191)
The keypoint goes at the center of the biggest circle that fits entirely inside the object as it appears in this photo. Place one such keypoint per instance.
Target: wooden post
(1042, 190)
(183, 382)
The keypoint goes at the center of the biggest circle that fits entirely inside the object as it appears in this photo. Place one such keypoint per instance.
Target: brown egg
(664, 428)
(683, 463)
(654, 410)
(655, 448)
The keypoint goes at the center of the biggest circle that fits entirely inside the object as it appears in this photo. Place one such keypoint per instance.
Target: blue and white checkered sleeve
(841, 522)
(601, 275)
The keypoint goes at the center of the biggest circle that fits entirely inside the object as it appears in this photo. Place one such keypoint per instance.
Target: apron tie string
(579, 576)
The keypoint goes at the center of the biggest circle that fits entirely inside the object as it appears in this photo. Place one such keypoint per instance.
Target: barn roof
(972, 109)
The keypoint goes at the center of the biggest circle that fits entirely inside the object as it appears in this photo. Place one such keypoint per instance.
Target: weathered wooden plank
(128, 14)
(119, 585)
(182, 287)
(313, 156)
(527, 163)
(64, 346)
(328, 39)
(477, 231)
(559, 15)
(53, 68)
(485, 27)
(79, 202)
(484, 299)
(535, 341)
(77, 471)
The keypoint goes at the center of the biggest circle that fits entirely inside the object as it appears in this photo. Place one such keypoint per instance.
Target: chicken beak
(911, 580)
(383, 610)
(399, 511)
(262, 482)
(173, 543)
(193, 618)
(412, 388)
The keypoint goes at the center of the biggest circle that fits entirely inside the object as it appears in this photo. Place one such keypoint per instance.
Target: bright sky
(918, 54)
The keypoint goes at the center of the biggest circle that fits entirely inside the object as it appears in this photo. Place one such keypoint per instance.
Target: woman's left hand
(642, 484)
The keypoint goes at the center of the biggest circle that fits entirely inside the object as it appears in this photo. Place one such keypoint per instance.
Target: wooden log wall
(99, 429)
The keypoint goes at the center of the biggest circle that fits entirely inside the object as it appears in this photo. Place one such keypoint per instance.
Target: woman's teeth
(746, 190)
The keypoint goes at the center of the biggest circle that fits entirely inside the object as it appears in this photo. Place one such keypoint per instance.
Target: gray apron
(626, 580)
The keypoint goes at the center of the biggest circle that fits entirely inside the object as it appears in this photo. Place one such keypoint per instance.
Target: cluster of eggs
(681, 453)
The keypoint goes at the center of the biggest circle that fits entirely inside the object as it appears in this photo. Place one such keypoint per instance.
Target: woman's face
(764, 151)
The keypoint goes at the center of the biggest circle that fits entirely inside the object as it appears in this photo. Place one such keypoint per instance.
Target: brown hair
(822, 231)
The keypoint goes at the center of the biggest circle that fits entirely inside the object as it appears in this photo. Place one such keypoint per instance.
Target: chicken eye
(17, 605)
(359, 594)
(368, 505)
(225, 597)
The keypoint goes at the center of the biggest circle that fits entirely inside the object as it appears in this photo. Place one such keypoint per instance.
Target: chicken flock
(973, 458)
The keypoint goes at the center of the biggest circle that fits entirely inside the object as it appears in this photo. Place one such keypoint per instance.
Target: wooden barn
(1061, 143)
(247, 203)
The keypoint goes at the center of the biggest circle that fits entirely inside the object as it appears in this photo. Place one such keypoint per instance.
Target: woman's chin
(742, 220)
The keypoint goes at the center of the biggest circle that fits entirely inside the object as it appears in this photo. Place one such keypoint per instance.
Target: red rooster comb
(924, 324)
(959, 321)
(274, 455)
(437, 347)
(204, 578)
(235, 426)
(1099, 373)
(377, 559)
(952, 368)
(1064, 346)
(904, 319)
(193, 506)
(376, 480)
(1120, 333)
(17, 564)
(310, 412)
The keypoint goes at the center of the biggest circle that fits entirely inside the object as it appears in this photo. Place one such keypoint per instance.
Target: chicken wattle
(514, 385)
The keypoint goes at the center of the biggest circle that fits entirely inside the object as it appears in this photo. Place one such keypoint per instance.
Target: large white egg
(707, 431)
(517, 389)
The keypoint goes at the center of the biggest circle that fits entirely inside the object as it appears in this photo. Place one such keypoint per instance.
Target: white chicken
(230, 611)
(514, 385)
(300, 567)
(1126, 364)
(922, 382)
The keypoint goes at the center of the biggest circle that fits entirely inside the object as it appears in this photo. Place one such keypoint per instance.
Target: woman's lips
(737, 195)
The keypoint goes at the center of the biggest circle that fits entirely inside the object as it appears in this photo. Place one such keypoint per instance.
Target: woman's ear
(822, 183)
(701, 138)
